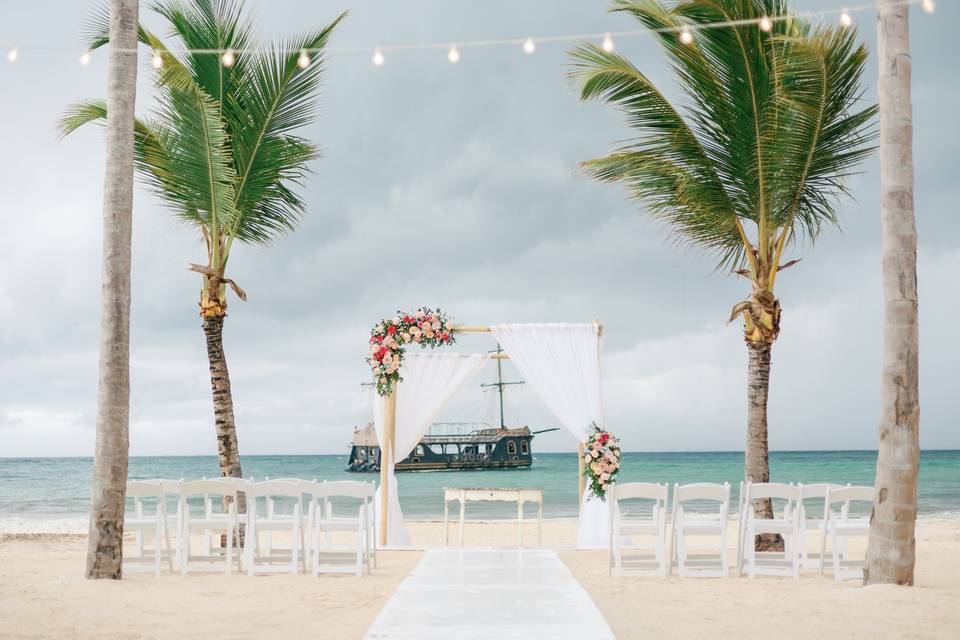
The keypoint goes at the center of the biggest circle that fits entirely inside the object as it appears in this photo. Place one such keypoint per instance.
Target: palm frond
(276, 97)
(667, 151)
(767, 120)
(222, 149)
(827, 137)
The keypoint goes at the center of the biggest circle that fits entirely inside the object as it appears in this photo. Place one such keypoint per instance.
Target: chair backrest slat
(210, 487)
(849, 494)
(777, 490)
(702, 491)
(346, 489)
(640, 490)
(274, 489)
(144, 489)
(817, 490)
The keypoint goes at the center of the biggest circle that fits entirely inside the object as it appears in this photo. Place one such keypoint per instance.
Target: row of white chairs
(657, 554)
(311, 512)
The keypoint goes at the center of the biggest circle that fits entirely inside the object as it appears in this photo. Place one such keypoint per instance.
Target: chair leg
(166, 538)
(157, 553)
(724, 560)
(681, 555)
(185, 549)
(230, 530)
(823, 546)
(359, 550)
(295, 547)
(316, 548)
(834, 554)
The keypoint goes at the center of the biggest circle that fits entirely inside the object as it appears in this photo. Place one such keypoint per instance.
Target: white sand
(783, 608)
(43, 595)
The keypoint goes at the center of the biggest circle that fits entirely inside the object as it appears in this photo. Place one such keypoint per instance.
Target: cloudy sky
(452, 185)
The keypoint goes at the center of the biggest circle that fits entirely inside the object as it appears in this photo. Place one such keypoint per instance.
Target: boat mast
(499, 384)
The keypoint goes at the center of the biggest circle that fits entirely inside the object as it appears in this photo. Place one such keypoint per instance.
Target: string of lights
(528, 44)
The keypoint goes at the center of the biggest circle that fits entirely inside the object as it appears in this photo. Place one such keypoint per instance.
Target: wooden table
(487, 494)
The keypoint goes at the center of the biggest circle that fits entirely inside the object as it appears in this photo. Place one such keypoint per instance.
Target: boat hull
(495, 449)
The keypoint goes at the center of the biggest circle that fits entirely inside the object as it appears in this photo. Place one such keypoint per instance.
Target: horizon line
(307, 455)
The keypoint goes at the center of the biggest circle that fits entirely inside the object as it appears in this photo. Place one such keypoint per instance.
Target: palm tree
(109, 482)
(221, 151)
(750, 160)
(891, 550)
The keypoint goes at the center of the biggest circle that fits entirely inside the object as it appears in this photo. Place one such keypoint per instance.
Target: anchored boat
(455, 445)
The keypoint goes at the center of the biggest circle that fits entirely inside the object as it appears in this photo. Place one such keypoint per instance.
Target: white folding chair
(270, 558)
(624, 525)
(808, 524)
(209, 520)
(771, 563)
(148, 519)
(712, 523)
(839, 527)
(326, 522)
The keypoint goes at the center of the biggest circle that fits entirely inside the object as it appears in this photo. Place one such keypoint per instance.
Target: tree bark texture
(109, 481)
(756, 464)
(891, 548)
(227, 449)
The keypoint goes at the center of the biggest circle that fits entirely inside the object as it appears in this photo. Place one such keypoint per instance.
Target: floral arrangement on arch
(601, 461)
(426, 327)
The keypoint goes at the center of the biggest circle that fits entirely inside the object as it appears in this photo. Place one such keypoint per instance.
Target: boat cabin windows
(525, 447)
(512, 448)
(419, 450)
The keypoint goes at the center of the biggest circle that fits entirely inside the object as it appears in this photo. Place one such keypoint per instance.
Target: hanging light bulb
(453, 55)
(377, 57)
(228, 58)
(685, 36)
(929, 6)
(607, 44)
(845, 19)
(529, 46)
(157, 61)
(765, 24)
(303, 60)
(85, 58)
(12, 55)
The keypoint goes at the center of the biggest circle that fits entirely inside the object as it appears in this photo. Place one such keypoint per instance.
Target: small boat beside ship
(451, 446)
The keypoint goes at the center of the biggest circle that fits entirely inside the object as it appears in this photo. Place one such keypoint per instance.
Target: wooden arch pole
(386, 457)
(582, 482)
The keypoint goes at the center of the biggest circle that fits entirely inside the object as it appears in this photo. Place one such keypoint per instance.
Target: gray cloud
(453, 185)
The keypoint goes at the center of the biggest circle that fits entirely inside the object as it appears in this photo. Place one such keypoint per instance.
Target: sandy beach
(43, 595)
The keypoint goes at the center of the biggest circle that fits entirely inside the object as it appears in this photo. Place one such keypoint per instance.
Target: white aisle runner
(490, 593)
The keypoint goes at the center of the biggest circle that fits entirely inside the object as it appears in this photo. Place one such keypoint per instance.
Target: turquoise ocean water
(52, 494)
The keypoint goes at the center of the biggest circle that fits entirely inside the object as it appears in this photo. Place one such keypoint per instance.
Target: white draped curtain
(430, 380)
(561, 362)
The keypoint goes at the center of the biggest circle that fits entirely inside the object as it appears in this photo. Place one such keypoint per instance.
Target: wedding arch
(560, 362)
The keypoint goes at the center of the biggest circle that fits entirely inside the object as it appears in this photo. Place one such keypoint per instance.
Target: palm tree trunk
(891, 549)
(227, 449)
(756, 463)
(109, 482)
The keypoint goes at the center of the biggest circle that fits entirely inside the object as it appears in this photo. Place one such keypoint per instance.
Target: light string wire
(528, 43)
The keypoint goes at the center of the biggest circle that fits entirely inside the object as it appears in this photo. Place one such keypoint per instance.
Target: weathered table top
(493, 493)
